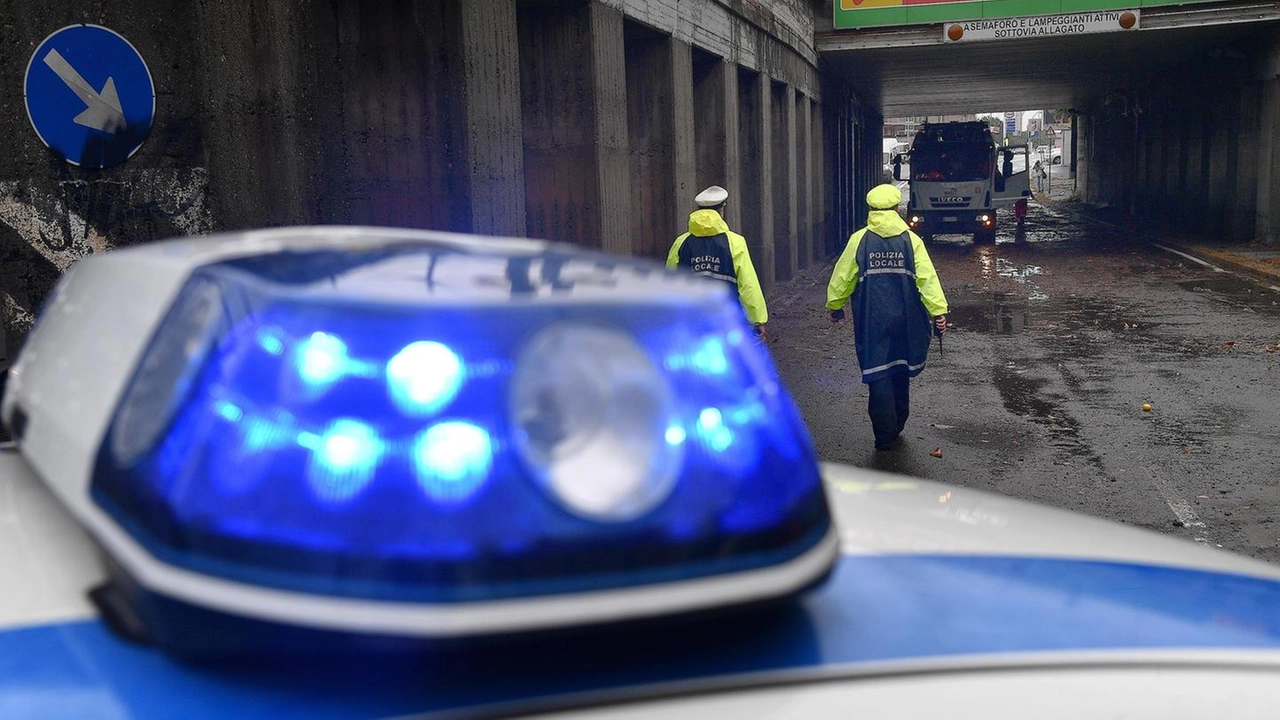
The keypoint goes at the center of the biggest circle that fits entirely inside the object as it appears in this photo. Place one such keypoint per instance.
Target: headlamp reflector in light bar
(593, 415)
(425, 423)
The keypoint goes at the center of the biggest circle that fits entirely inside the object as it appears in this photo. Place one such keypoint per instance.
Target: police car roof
(935, 583)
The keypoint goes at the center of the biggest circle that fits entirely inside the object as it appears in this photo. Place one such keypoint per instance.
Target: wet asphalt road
(1059, 340)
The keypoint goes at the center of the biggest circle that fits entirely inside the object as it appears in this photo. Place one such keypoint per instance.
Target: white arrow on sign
(103, 111)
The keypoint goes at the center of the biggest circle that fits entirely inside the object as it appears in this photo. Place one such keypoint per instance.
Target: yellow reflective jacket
(886, 223)
(708, 223)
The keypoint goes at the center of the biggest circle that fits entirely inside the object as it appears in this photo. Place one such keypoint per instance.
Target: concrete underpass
(595, 122)
(1175, 123)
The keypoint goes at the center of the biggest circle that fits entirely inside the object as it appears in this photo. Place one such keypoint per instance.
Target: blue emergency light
(447, 424)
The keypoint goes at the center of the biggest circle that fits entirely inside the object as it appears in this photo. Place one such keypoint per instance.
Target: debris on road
(937, 452)
(1146, 407)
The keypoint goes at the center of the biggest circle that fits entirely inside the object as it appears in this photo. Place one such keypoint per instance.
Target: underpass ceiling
(921, 76)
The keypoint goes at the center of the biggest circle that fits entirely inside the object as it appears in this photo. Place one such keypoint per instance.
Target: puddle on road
(1003, 314)
(1023, 275)
(1024, 396)
(1235, 290)
(991, 265)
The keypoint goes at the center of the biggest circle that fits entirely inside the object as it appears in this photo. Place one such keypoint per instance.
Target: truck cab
(958, 178)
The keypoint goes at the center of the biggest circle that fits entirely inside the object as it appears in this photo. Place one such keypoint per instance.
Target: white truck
(959, 178)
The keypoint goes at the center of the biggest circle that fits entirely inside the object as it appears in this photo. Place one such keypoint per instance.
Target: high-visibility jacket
(895, 289)
(711, 249)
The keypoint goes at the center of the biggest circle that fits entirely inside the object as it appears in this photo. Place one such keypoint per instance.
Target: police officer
(711, 249)
(895, 290)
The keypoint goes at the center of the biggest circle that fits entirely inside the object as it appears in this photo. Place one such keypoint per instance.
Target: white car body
(945, 598)
(944, 601)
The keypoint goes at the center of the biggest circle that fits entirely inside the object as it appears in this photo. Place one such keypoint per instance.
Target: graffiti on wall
(45, 227)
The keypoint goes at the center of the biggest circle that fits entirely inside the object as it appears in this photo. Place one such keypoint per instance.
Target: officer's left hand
(940, 322)
(836, 316)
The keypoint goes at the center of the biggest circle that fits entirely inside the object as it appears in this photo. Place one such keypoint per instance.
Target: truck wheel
(985, 236)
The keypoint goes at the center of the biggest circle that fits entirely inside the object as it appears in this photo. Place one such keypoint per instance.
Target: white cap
(712, 196)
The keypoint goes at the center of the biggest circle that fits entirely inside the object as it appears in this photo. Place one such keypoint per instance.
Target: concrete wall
(1196, 151)
(1267, 114)
(592, 122)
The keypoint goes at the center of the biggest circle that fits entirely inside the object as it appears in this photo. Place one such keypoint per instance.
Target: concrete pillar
(1245, 141)
(1142, 168)
(821, 222)
(1182, 172)
(804, 182)
(685, 183)
(754, 205)
(1172, 160)
(1147, 175)
(574, 122)
(1213, 163)
(792, 167)
(491, 91)
(1267, 89)
(654, 129)
(767, 264)
(707, 76)
(1268, 192)
(1084, 156)
(732, 167)
(608, 63)
(1193, 189)
(783, 123)
(391, 141)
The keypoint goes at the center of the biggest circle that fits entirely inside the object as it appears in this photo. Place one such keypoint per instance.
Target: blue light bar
(431, 448)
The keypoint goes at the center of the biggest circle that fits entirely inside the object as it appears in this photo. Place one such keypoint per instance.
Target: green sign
(875, 13)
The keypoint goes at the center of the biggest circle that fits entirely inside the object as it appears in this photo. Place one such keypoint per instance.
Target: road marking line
(1192, 258)
(1181, 509)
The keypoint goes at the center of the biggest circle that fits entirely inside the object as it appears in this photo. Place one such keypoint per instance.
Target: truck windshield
(944, 162)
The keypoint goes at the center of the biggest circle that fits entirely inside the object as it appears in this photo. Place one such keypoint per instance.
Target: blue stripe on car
(874, 608)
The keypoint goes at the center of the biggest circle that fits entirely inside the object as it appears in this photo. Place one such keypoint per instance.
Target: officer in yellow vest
(711, 249)
(896, 297)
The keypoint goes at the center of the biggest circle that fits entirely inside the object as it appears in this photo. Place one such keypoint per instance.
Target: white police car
(369, 473)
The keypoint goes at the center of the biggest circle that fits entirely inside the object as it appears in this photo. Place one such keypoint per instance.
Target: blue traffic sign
(89, 96)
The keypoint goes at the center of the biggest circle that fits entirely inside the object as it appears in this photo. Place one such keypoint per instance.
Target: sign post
(89, 96)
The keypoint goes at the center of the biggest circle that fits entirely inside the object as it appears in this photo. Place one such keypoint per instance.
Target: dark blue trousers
(889, 404)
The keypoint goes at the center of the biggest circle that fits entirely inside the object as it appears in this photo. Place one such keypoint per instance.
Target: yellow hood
(706, 223)
(886, 223)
